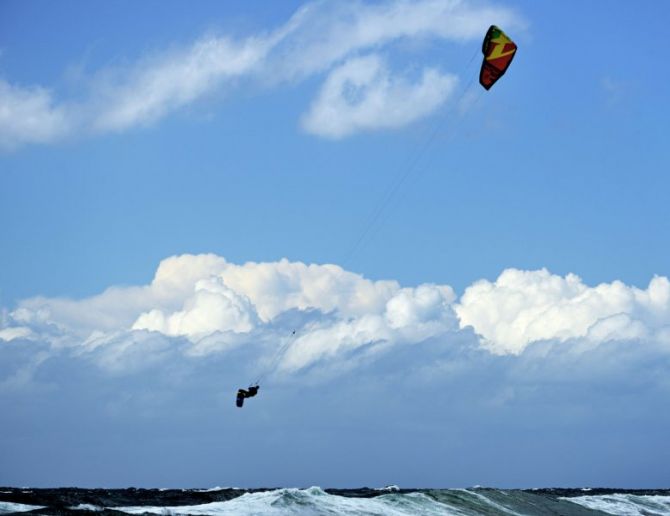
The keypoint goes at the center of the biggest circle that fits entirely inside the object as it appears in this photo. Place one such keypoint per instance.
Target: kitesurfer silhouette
(246, 393)
(252, 390)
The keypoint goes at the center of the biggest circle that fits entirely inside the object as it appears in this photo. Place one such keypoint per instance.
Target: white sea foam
(10, 507)
(391, 487)
(313, 501)
(625, 504)
(86, 507)
(214, 489)
(491, 503)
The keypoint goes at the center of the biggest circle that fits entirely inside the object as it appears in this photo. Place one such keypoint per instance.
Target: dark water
(316, 501)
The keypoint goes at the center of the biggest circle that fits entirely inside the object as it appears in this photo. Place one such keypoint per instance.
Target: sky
(477, 280)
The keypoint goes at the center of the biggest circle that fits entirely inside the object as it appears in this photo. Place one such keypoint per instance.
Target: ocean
(386, 501)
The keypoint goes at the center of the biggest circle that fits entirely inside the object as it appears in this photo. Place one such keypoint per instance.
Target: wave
(626, 504)
(388, 501)
(12, 508)
(313, 500)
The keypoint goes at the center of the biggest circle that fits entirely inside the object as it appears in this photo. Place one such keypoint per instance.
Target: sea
(384, 501)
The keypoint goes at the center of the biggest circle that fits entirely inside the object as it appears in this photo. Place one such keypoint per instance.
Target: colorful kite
(498, 52)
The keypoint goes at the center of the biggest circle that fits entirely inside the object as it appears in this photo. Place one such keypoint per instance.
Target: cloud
(408, 317)
(615, 90)
(320, 36)
(124, 399)
(519, 364)
(277, 287)
(155, 87)
(131, 352)
(521, 307)
(22, 376)
(207, 306)
(217, 306)
(212, 307)
(17, 332)
(324, 33)
(362, 95)
(30, 115)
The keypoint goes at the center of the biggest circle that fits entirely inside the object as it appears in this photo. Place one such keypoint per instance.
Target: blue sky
(181, 189)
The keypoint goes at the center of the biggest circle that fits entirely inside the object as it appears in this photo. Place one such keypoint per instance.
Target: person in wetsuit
(246, 393)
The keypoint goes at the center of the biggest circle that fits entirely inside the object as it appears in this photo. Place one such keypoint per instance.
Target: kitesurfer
(246, 393)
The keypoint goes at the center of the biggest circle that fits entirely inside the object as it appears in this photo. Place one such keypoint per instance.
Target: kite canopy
(498, 52)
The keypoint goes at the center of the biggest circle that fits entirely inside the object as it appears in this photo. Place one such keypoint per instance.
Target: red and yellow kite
(498, 52)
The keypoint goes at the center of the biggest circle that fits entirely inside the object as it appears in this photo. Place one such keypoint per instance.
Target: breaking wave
(388, 501)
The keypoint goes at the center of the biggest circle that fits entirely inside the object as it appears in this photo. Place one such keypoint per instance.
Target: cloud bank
(207, 305)
(535, 369)
(322, 36)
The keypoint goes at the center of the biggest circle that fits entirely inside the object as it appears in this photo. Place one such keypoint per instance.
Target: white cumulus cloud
(212, 307)
(212, 303)
(202, 304)
(521, 307)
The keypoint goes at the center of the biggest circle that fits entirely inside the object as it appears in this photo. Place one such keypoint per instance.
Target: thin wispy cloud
(318, 38)
(155, 87)
(615, 90)
(325, 33)
(31, 115)
(362, 95)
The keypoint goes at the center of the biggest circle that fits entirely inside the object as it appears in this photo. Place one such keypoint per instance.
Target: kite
(498, 52)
